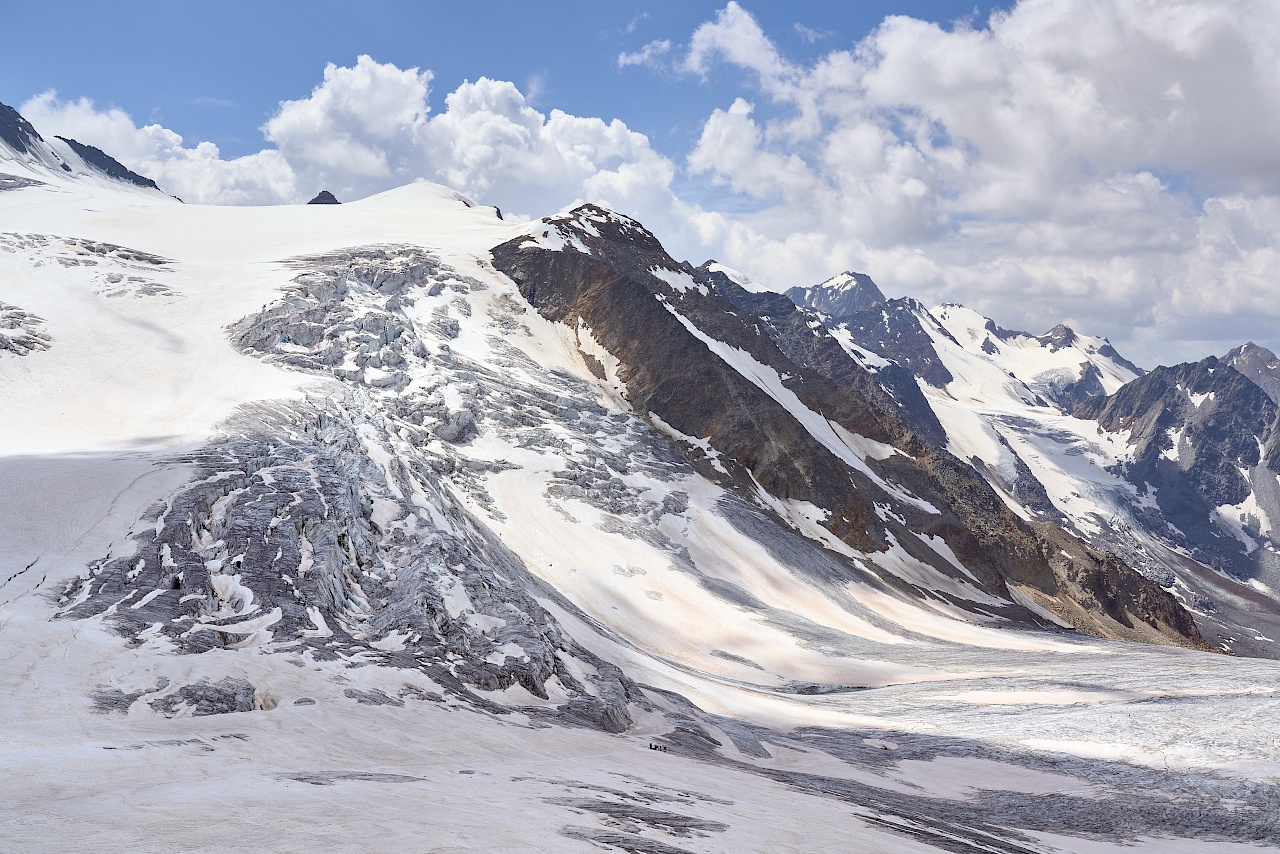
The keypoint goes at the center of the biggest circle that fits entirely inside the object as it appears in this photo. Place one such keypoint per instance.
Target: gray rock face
(841, 296)
(889, 328)
(206, 698)
(804, 338)
(14, 182)
(15, 131)
(1069, 390)
(324, 197)
(1206, 451)
(1197, 429)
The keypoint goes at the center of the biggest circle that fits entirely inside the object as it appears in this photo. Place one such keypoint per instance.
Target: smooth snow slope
(844, 716)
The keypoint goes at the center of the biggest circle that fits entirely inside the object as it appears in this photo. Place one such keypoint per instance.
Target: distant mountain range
(1173, 470)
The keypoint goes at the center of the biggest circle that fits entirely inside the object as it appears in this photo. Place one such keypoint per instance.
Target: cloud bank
(1112, 163)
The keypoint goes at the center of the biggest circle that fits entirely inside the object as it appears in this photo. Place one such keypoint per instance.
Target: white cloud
(810, 35)
(650, 55)
(197, 173)
(369, 128)
(1112, 162)
(357, 131)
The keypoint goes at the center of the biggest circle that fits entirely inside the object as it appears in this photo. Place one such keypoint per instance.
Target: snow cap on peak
(849, 280)
(740, 279)
(595, 213)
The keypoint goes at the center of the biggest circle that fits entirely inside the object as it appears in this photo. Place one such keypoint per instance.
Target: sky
(1111, 164)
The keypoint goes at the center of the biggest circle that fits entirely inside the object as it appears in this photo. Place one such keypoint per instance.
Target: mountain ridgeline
(768, 403)
(1175, 469)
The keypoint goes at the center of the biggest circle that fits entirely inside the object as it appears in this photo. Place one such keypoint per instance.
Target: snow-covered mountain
(1169, 469)
(397, 517)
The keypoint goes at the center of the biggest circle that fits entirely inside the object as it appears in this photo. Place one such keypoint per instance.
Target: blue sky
(217, 71)
(1111, 164)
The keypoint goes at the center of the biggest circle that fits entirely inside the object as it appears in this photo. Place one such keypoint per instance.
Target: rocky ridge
(750, 417)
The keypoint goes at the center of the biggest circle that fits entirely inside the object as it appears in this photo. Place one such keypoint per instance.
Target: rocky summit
(567, 544)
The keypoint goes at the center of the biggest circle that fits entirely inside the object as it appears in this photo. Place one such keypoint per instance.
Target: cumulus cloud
(369, 128)
(1111, 163)
(196, 173)
(358, 129)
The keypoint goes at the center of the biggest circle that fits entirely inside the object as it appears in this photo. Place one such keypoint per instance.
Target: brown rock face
(691, 358)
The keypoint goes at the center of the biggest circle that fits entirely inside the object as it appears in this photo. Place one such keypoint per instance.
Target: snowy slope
(315, 522)
(1061, 366)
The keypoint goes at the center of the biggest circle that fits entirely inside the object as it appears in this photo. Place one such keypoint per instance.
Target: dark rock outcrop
(14, 182)
(324, 197)
(840, 296)
(21, 332)
(17, 132)
(1258, 364)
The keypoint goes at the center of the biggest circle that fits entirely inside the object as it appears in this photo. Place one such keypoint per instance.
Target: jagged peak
(591, 213)
(841, 295)
(1248, 349)
(854, 282)
(324, 197)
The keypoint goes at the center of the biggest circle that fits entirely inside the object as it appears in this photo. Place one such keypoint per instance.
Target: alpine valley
(395, 525)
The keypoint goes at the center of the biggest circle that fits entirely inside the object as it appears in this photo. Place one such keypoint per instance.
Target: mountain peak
(1258, 364)
(60, 154)
(1058, 337)
(740, 279)
(841, 295)
(324, 197)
